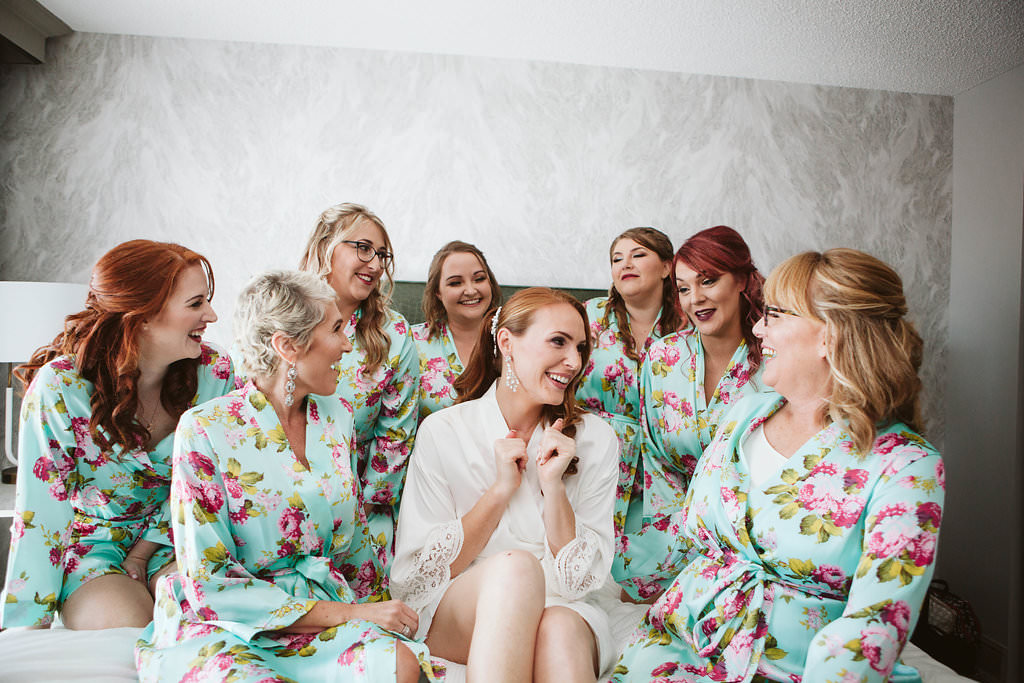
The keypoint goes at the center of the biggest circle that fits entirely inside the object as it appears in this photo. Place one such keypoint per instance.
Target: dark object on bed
(407, 296)
(948, 629)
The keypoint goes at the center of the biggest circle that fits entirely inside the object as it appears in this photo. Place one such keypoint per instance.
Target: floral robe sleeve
(679, 421)
(385, 404)
(440, 366)
(816, 575)
(260, 540)
(79, 509)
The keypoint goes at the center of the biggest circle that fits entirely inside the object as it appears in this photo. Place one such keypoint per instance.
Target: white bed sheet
(62, 656)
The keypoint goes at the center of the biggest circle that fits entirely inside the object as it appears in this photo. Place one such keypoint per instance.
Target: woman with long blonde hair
(350, 249)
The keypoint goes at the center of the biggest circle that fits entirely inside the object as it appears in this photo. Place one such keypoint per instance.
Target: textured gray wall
(233, 149)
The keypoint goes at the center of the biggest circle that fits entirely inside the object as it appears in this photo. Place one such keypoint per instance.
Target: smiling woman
(688, 382)
(460, 291)
(263, 488)
(91, 521)
(350, 249)
(639, 309)
(506, 528)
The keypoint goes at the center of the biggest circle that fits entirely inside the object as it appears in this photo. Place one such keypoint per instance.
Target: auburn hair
(874, 353)
(130, 284)
(433, 310)
(671, 315)
(516, 315)
(718, 250)
(334, 226)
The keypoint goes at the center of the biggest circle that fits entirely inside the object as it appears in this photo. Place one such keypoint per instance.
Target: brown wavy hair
(671, 316)
(433, 309)
(719, 250)
(516, 316)
(129, 285)
(874, 352)
(334, 225)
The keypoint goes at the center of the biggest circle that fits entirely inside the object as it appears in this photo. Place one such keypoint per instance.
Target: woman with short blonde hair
(267, 518)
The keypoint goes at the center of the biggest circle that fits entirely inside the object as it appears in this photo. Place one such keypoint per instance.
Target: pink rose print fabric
(816, 575)
(260, 539)
(80, 508)
(385, 405)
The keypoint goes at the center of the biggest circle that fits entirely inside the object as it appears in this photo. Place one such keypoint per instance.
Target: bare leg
(488, 618)
(109, 601)
(566, 648)
(408, 665)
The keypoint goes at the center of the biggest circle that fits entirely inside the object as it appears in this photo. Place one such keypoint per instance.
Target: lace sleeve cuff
(431, 566)
(574, 564)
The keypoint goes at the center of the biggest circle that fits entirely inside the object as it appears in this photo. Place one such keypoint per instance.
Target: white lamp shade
(33, 314)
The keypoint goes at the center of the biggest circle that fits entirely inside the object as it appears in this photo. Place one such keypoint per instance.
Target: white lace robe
(452, 465)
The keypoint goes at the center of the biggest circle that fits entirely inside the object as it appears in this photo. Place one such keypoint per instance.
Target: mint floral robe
(385, 406)
(79, 509)
(610, 389)
(260, 539)
(816, 575)
(440, 366)
(679, 421)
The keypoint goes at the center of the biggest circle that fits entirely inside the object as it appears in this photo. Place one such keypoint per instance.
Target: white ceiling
(939, 47)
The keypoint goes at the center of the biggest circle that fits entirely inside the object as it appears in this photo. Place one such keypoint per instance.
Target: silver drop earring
(289, 386)
(511, 381)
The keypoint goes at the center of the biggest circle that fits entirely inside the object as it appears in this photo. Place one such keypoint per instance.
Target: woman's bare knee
(407, 664)
(110, 601)
(515, 573)
(566, 647)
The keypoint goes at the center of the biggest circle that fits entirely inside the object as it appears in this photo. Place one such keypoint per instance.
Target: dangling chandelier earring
(289, 386)
(511, 381)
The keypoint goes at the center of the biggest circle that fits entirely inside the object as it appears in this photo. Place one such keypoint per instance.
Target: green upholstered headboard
(408, 295)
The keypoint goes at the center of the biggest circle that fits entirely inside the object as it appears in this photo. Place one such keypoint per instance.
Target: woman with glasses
(808, 535)
(461, 290)
(379, 379)
(639, 309)
(689, 380)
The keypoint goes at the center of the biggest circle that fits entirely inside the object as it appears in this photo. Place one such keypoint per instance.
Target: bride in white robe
(505, 532)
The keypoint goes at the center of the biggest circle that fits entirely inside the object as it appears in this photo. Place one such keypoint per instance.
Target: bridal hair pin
(494, 330)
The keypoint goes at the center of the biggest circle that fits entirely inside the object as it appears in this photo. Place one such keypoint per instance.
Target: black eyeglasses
(366, 252)
(774, 312)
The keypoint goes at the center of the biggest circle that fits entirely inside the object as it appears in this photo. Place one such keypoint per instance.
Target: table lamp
(33, 313)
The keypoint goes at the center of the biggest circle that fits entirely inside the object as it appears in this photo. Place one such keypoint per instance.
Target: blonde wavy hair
(874, 352)
(335, 225)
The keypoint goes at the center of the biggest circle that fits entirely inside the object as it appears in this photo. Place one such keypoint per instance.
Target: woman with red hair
(505, 534)
(689, 380)
(90, 531)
